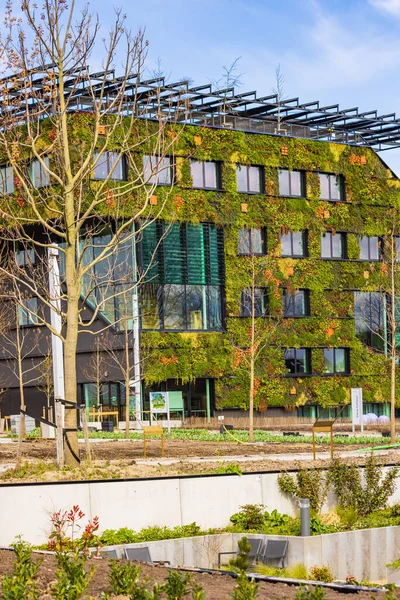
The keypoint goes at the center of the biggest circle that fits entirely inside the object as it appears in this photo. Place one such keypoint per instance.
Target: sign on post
(159, 404)
(357, 408)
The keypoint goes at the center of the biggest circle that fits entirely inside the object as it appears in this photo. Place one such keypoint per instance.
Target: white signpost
(159, 404)
(356, 408)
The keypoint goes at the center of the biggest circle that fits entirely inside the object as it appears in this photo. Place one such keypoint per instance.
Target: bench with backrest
(274, 550)
(255, 549)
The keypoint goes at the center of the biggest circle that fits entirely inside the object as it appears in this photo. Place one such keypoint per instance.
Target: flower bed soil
(217, 587)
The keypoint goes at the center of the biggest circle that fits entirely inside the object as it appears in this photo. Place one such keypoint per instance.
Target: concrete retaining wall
(209, 501)
(363, 554)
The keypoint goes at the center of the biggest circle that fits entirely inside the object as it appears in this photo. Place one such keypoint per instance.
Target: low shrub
(245, 589)
(241, 562)
(229, 468)
(250, 517)
(321, 574)
(297, 571)
(306, 593)
(177, 585)
(124, 577)
(307, 483)
(21, 584)
(111, 537)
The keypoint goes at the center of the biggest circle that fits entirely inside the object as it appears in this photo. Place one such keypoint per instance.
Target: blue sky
(335, 51)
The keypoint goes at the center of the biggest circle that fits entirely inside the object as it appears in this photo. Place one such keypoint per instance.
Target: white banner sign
(356, 406)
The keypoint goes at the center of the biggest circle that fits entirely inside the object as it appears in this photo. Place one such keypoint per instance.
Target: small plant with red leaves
(66, 526)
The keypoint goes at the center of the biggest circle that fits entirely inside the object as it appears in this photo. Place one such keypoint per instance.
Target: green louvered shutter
(174, 254)
(196, 255)
(151, 254)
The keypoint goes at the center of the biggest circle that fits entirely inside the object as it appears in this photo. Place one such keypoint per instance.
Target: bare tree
(46, 380)
(229, 79)
(279, 91)
(55, 155)
(249, 351)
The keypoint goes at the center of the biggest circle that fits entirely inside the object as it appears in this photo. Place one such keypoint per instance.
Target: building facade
(290, 230)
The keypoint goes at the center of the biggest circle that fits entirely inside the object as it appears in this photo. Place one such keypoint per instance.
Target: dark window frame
(307, 358)
(26, 318)
(124, 168)
(245, 296)
(285, 304)
(379, 247)
(3, 183)
(261, 179)
(218, 175)
(346, 361)
(170, 168)
(249, 231)
(344, 255)
(160, 281)
(302, 183)
(304, 233)
(342, 187)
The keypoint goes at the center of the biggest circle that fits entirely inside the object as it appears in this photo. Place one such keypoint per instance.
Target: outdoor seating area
(264, 551)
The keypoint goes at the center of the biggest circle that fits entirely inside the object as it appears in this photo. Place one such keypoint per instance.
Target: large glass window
(249, 179)
(157, 170)
(331, 187)
(252, 241)
(370, 247)
(40, 177)
(291, 183)
(294, 243)
(333, 245)
(298, 361)
(205, 174)
(260, 296)
(27, 312)
(336, 361)
(183, 274)
(369, 319)
(296, 303)
(109, 165)
(6, 180)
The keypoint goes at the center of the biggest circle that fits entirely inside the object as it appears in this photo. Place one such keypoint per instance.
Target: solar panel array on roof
(200, 105)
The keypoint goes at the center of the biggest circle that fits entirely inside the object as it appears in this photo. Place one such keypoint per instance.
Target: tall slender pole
(136, 383)
(56, 342)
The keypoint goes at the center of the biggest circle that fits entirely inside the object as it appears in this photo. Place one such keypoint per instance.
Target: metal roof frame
(204, 105)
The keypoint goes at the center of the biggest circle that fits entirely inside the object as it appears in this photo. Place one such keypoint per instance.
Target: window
(370, 247)
(183, 271)
(294, 243)
(109, 165)
(252, 241)
(27, 313)
(249, 179)
(40, 177)
(369, 319)
(331, 187)
(205, 174)
(298, 361)
(25, 256)
(333, 245)
(397, 247)
(296, 304)
(6, 180)
(336, 361)
(157, 170)
(260, 302)
(291, 183)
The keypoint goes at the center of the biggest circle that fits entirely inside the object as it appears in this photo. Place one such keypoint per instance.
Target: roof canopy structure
(203, 105)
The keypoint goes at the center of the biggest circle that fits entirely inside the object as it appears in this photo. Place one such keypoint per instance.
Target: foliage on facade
(371, 200)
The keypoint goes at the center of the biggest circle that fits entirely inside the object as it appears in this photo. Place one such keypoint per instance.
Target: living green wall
(371, 199)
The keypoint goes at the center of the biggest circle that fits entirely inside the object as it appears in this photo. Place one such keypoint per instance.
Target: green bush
(124, 577)
(306, 483)
(365, 495)
(72, 578)
(321, 574)
(241, 562)
(297, 571)
(176, 586)
(229, 468)
(21, 584)
(111, 537)
(245, 588)
(250, 517)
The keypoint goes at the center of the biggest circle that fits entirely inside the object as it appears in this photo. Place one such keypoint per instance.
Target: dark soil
(217, 587)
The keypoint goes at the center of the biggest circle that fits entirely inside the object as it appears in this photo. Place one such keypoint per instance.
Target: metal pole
(56, 324)
(136, 338)
(305, 516)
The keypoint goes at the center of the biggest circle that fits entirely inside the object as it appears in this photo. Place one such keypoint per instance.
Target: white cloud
(390, 7)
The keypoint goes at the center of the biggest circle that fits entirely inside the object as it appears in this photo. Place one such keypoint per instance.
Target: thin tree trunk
(70, 346)
(22, 426)
(252, 351)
